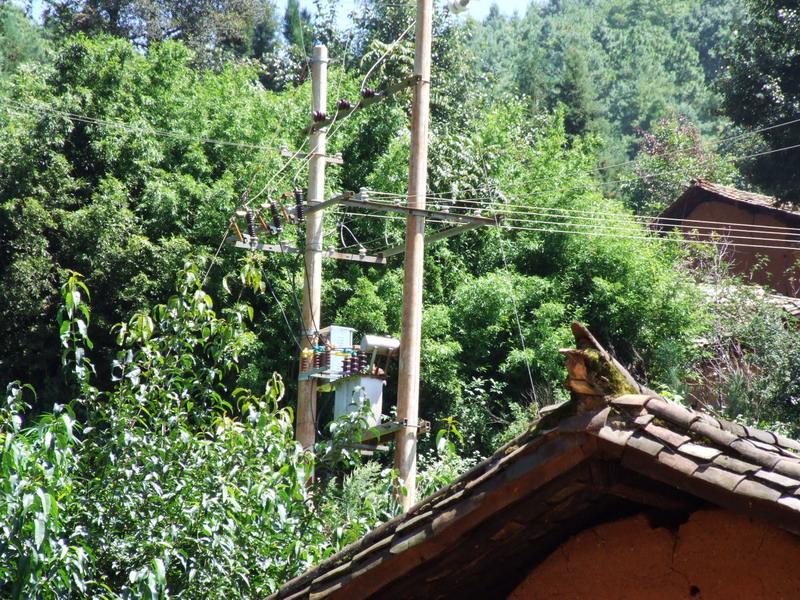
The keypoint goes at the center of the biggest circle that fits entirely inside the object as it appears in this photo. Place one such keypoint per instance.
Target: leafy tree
(577, 95)
(21, 40)
(669, 159)
(762, 88)
(297, 27)
(265, 32)
(645, 59)
(713, 26)
(44, 551)
(496, 46)
(628, 290)
(230, 514)
(171, 483)
(206, 26)
(122, 204)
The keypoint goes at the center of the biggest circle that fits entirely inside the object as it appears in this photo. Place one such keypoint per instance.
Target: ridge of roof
(740, 195)
(737, 467)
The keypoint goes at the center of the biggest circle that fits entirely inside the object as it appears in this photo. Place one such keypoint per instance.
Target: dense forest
(147, 431)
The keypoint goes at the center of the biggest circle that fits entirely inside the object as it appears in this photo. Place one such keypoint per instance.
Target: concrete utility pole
(312, 282)
(411, 333)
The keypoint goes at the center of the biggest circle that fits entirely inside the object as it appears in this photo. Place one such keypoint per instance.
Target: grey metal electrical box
(355, 391)
(379, 345)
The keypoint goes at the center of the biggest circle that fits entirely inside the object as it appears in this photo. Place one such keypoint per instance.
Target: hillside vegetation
(151, 369)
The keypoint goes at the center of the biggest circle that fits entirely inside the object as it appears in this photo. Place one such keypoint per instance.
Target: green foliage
(21, 41)
(188, 487)
(364, 498)
(297, 27)
(669, 159)
(577, 95)
(43, 553)
(122, 205)
(364, 310)
(172, 483)
(645, 59)
(761, 84)
(748, 368)
(172, 470)
(475, 367)
(215, 30)
(440, 467)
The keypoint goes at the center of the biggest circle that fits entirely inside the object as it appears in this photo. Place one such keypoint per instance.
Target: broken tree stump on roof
(593, 375)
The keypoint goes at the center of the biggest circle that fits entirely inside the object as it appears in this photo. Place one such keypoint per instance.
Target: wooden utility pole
(312, 282)
(411, 331)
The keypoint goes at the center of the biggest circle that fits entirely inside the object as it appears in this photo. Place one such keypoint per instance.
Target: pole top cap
(320, 53)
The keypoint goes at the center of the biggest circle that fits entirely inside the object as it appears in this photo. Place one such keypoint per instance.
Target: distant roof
(613, 450)
(788, 304)
(703, 191)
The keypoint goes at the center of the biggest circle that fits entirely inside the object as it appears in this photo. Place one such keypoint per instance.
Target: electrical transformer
(364, 377)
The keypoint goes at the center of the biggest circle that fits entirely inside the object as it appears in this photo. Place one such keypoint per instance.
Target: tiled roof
(615, 448)
(727, 293)
(702, 191)
(740, 195)
(787, 303)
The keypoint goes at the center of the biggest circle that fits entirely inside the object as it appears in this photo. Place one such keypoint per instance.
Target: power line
(144, 128)
(548, 191)
(43, 108)
(543, 193)
(624, 222)
(283, 312)
(619, 218)
(723, 238)
(649, 238)
(622, 218)
(216, 254)
(441, 196)
(693, 235)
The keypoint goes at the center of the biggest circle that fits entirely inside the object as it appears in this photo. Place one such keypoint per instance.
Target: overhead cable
(617, 235)
(136, 128)
(624, 219)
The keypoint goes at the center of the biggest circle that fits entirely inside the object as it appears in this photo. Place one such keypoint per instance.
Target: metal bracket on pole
(310, 210)
(281, 246)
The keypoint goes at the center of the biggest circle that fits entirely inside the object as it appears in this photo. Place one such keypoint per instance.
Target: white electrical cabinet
(355, 391)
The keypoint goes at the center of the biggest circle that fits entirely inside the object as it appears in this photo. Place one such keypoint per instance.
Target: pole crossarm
(310, 210)
(378, 97)
(418, 212)
(429, 239)
(284, 248)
